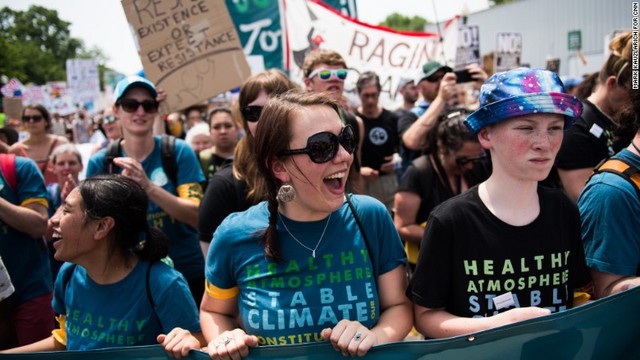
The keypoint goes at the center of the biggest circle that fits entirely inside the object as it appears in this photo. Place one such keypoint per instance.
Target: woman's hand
(351, 338)
(178, 342)
(132, 169)
(233, 344)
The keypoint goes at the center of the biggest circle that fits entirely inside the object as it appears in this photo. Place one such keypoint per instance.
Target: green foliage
(400, 22)
(35, 44)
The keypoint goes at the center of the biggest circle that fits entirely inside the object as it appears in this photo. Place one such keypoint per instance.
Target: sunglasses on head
(131, 105)
(324, 146)
(462, 161)
(34, 118)
(327, 74)
(251, 113)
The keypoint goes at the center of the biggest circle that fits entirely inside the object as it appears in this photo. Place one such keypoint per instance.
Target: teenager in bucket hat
(506, 250)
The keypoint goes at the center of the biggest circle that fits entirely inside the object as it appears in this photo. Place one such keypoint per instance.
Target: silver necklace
(313, 251)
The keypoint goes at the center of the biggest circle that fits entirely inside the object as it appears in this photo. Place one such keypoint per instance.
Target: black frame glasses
(463, 160)
(323, 146)
(35, 118)
(251, 113)
(132, 105)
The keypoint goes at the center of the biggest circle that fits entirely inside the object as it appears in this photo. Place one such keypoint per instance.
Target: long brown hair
(273, 82)
(272, 138)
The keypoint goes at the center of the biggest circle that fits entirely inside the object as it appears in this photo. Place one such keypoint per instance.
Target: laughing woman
(309, 264)
(113, 272)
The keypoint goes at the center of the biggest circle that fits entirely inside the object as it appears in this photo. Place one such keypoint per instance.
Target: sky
(102, 23)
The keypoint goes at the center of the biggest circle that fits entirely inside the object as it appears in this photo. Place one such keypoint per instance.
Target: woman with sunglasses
(40, 143)
(308, 264)
(453, 162)
(174, 195)
(235, 188)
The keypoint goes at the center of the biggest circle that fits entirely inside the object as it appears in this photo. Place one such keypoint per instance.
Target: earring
(286, 193)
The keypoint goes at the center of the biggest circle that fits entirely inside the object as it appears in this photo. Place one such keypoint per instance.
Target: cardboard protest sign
(508, 51)
(468, 49)
(12, 107)
(189, 49)
(553, 65)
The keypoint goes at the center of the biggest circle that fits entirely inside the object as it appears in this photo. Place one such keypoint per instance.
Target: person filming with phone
(437, 87)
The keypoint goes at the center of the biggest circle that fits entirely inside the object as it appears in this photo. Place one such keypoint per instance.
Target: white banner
(391, 54)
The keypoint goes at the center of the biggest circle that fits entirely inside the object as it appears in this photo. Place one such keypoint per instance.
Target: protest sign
(189, 49)
(468, 49)
(83, 82)
(508, 51)
(12, 107)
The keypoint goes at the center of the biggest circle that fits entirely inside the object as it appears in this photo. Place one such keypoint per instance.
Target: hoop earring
(286, 193)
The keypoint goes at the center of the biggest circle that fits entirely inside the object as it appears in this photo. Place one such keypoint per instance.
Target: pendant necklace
(313, 251)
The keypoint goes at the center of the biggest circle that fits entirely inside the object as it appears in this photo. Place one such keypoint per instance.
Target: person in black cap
(437, 86)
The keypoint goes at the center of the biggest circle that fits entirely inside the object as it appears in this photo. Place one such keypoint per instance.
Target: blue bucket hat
(131, 81)
(522, 91)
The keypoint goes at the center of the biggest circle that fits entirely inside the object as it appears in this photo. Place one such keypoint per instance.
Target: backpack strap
(113, 151)
(364, 235)
(8, 168)
(621, 168)
(167, 151)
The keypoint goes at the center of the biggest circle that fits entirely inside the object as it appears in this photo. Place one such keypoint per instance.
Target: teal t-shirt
(610, 214)
(292, 301)
(26, 258)
(184, 246)
(120, 314)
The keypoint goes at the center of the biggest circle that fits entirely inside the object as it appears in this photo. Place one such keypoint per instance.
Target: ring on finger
(357, 336)
(226, 340)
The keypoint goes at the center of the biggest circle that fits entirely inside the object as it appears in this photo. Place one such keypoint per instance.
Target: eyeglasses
(108, 119)
(34, 118)
(131, 105)
(251, 113)
(462, 161)
(323, 146)
(327, 74)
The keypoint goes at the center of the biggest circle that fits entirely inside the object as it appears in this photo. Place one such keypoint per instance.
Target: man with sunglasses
(326, 71)
(173, 207)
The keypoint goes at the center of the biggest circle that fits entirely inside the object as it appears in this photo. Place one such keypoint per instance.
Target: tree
(400, 22)
(35, 44)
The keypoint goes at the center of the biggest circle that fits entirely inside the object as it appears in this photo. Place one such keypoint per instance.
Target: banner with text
(603, 329)
(189, 49)
(391, 54)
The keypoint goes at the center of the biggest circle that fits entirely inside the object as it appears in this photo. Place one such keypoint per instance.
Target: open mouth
(336, 182)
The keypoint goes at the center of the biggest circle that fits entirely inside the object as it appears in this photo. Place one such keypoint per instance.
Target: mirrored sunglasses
(34, 118)
(131, 105)
(324, 146)
(327, 74)
(251, 113)
(108, 119)
(462, 161)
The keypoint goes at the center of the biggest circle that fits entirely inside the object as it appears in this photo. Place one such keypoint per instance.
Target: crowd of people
(292, 217)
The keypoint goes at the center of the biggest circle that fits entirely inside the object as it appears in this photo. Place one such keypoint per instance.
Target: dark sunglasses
(324, 146)
(327, 74)
(34, 118)
(131, 105)
(251, 113)
(435, 78)
(462, 161)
